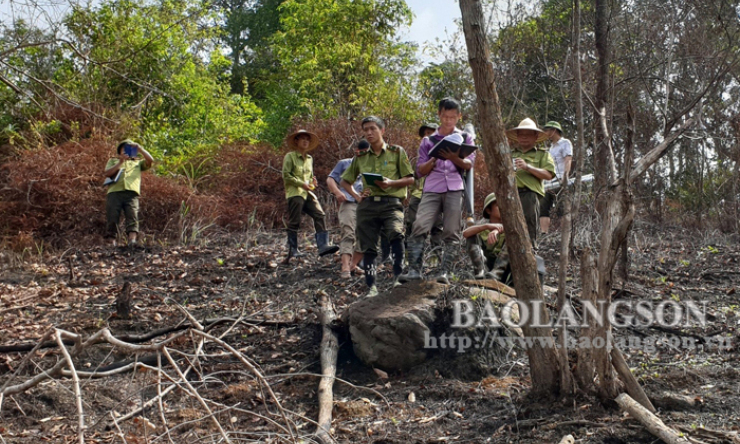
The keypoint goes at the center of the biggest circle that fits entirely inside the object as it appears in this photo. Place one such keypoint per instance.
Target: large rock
(388, 331)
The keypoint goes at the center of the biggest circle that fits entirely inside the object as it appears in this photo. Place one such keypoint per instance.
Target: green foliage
(341, 58)
(152, 64)
(246, 28)
(450, 78)
(702, 191)
(530, 56)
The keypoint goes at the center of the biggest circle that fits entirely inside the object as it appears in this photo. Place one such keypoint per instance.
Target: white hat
(526, 124)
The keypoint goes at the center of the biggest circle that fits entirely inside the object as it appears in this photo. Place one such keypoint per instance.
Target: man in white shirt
(562, 151)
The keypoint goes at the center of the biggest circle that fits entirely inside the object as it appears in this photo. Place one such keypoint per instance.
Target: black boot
(415, 253)
(443, 277)
(322, 242)
(293, 250)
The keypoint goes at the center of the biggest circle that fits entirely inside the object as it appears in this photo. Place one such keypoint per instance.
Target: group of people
(371, 188)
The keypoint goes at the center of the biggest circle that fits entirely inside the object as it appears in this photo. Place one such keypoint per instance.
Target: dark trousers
(549, 201)
(376, 216)
(298, 205)
(117, 202)
(531, 207)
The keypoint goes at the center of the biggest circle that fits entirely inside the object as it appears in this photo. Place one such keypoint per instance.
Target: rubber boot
(416, 249)
(396, 247)
(475, 253)
(368, 264)
(322, 242)
(385, 249)
(445, 264)
(293, 250)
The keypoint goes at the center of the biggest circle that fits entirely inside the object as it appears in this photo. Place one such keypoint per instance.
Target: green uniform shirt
(296, 172)
(130, 179)
(537, 158)
(392, 162)
(491, 252)
(418, 188)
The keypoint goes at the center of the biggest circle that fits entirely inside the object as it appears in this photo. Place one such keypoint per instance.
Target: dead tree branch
(329, 353)
(649, 420)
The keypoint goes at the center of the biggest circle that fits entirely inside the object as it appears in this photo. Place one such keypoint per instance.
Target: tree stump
(123, 302)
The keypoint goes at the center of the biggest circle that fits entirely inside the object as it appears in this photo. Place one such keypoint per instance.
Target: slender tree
(544, 364)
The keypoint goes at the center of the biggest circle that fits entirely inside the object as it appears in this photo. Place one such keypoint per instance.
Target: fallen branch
(76, 340)
(252, 368)
(193, 392)
(650, 421)
(567, 439)
(630, 382)
(78, 393)
(715, 435)
(329, 352)
(139, 339)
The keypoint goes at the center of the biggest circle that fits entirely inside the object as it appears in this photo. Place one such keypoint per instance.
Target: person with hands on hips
(124, 175)
(349, 248)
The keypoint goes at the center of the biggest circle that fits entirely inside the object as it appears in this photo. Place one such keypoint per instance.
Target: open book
(114, 179)
(371, 178)
(453, 143)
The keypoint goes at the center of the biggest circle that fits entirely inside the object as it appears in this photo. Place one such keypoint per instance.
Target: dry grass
(54, 194)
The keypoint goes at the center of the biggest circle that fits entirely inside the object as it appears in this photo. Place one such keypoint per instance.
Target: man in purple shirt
(443, 192)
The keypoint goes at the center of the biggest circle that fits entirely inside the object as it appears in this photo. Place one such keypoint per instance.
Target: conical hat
(526, 124)
(312, 144)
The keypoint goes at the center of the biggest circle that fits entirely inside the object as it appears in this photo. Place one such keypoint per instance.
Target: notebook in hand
(114, 179)
(453, 144)
(371, 178)
(131, 150)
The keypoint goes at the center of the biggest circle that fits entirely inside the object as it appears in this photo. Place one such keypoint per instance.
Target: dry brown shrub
(56, 193)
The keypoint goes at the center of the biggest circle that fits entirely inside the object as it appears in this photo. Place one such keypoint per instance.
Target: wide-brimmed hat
(526, 124)
(426, 126)
(491, 198)
(554, 125)
(312, 144)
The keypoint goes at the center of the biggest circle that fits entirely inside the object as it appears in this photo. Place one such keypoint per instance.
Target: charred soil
(241, 293)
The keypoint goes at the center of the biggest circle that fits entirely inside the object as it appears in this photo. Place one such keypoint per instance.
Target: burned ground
(241, 293)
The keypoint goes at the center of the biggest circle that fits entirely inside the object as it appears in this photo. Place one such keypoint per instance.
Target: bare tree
(614, 206)
(544, 364)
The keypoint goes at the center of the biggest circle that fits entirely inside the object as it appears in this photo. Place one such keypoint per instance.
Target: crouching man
(484, 243)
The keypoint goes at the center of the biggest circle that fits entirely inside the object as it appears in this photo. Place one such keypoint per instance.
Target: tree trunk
(544, 364)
